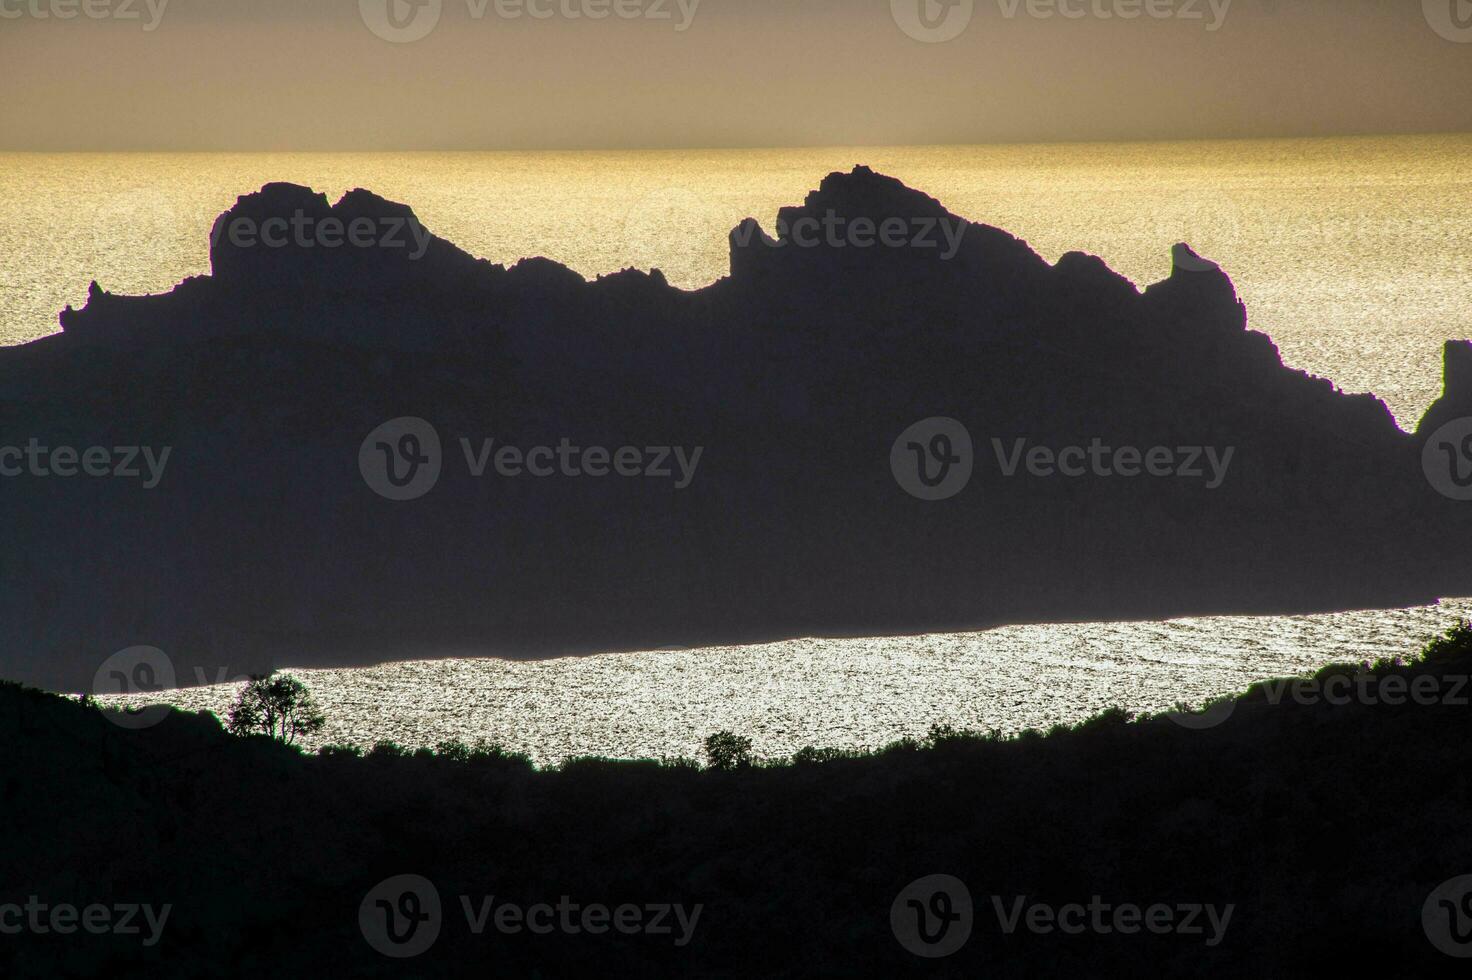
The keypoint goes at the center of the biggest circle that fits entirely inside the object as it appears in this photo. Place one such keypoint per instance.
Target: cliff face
(869, 309)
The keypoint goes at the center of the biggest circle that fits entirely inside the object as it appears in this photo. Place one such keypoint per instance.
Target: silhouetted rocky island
(761, 500)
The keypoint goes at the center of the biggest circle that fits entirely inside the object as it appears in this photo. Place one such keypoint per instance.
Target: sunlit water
(843, 693)
(1355, 255)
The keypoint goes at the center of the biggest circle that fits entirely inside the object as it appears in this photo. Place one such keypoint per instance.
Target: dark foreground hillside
(1324, 826)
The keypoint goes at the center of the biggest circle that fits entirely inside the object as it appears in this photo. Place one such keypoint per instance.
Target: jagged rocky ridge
(262, 543)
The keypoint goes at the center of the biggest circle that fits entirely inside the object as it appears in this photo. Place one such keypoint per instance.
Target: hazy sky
(311, 74)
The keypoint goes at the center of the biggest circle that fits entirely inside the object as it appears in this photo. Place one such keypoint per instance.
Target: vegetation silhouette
(277, 706)
(727, 750)
(1326, 822)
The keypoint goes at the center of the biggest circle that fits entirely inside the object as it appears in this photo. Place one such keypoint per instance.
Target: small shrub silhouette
(1452, 646)
(810, 755)
(453, 749)
(386, 748)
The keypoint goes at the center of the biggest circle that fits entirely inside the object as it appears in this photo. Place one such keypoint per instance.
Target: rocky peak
(1456, 395)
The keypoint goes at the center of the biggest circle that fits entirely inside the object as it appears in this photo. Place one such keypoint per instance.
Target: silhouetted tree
(727, 750)
(276, 705)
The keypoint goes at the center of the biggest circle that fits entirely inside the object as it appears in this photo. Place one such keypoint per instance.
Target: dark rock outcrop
(1456, 396)
(796, 374)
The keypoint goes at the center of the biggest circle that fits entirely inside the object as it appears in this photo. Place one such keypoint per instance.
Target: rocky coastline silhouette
(261, 541)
